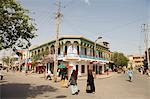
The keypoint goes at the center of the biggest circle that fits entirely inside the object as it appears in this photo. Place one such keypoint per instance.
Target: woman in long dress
(90, 83)
(73, 83)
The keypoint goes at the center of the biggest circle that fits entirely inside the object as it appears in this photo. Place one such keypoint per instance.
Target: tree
(8, 61)
(16, 27)
(35, 58)
(119, 59)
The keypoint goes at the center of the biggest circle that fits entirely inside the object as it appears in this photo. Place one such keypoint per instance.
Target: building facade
(136, 61)
(76, 51)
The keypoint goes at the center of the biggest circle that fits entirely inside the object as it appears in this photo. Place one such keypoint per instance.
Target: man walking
(130, 74)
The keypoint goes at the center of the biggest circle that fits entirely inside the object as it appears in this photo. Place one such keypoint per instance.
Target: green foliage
(8, 61)
(119, 59)
(40, 56)
(35, 58)
(16, 27)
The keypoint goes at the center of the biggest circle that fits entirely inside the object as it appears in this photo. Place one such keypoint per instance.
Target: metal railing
(81, 56)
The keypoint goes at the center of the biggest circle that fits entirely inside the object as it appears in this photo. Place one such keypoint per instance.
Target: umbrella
(69, 66)
(61, 66)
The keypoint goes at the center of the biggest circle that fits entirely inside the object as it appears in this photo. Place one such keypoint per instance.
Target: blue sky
(117, 21)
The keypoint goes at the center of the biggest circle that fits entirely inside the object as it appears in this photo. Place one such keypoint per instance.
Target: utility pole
(26, 61)
(58, 22)
(145, 29)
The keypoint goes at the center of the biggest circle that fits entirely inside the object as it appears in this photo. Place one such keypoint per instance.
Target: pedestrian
(90, 88)
(148, 72)
(130, 74)
(73, 83)
(107, 70)
(64, 79)
(142, 70)
(48, 75)
(124, 69)
(1, 74)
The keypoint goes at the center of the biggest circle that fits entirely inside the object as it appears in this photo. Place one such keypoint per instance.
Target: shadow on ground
(23, 91)
(61, 96)
(3, 81)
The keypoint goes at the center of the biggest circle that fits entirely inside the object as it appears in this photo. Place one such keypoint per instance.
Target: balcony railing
(92, 57)
(86, 56)
(75, 56)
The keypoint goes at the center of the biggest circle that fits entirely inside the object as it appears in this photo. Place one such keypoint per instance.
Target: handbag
(88, 87)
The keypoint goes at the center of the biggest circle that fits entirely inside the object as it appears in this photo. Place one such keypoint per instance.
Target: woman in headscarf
(90, 83)
(73, 83)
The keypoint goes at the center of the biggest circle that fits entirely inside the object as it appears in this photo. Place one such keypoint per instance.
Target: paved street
(19, 86)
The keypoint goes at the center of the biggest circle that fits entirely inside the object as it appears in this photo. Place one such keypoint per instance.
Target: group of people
(90, 88)
(73, 82)
(144, 70)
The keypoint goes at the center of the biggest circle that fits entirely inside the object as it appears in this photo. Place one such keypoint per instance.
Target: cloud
(87, 2)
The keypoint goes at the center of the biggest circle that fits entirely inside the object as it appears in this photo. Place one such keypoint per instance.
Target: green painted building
(76, 51)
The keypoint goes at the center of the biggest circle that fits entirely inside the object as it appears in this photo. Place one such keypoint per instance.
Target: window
(78, 49)
(93, 52)
(94, 67)
(65, 49)
(42, 50)
(77, 67)
(58, 50)
(82, 68)
(38, 52)
(85, 51)
(35, 52)
(0, 65)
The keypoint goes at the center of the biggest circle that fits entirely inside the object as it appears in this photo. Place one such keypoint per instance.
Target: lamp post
(95, 53)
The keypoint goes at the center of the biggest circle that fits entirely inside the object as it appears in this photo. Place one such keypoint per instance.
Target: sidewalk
(102, 76)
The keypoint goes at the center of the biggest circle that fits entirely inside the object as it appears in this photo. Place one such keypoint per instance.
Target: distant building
(1, 64)
(75, 51)
(21, 59)
(136, 61)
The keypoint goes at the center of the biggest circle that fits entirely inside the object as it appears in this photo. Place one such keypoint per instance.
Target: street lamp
(95, 52)
(95, 46)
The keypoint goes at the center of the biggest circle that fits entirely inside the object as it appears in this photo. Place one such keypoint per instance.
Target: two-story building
(76, 51)
(136, 61)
